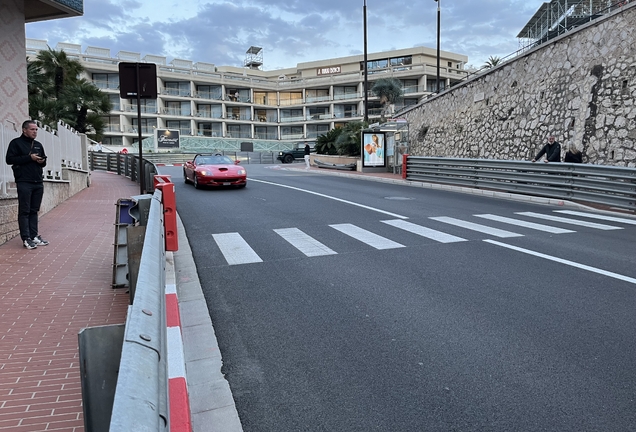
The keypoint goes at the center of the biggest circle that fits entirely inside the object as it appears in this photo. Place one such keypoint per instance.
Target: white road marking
(521, 223)
(235, 249)
(477, 227)
(367, 237)
(598, 216)
(304, 243)
(423, 231)
(566, 262)
(333, 198)
(570, 221)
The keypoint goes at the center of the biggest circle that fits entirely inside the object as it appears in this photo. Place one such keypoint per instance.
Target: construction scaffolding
(559, 16)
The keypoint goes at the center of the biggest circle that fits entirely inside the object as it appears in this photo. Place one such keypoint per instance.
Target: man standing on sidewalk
(27, 158)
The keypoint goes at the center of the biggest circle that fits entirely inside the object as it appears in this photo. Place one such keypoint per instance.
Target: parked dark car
(298, 152)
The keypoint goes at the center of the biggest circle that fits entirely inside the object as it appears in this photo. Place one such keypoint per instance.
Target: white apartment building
(246, 103)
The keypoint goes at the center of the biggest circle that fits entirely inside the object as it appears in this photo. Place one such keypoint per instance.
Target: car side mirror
(236, 162)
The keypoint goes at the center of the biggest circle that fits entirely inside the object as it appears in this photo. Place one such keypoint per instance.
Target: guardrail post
(169, 202)
(405, 157)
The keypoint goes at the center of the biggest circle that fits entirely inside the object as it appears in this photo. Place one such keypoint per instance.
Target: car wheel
(288, 159)
(185, 178)
(196, 182)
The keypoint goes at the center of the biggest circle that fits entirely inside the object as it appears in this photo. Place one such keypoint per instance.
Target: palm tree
(491, 62)
(326, 143)
(348, 142)
(57, 93)
(389, 90)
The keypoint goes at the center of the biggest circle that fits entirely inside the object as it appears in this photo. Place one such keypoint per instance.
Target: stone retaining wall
(55, 192)
(580, 87)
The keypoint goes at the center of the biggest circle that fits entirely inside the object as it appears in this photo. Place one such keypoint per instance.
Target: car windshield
(213, 160)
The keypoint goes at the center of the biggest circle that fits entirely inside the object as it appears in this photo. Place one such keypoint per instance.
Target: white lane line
(235, 249)
(304, 243)
(333, 198)
(477, 227)
(566, 262)
(521, 223)
(367, 237)
(423, 231)
(598, 216)
(570, 221)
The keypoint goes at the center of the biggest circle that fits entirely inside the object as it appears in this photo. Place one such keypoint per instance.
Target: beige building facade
(246, 103)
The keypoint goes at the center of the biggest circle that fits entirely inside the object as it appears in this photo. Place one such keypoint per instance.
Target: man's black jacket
(18, 156)
(552, 152)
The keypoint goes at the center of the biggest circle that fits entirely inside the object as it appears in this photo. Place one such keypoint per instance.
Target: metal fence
(123, 164)
(596, 184)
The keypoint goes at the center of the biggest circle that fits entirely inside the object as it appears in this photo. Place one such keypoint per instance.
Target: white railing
(63, 148)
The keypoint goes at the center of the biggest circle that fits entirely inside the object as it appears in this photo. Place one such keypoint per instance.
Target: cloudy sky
(290, 31)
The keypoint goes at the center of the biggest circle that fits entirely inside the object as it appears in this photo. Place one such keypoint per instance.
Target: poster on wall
(167, 138)
(373, 150)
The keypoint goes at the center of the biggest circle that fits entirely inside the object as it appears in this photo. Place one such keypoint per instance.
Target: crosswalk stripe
(367, 237)
(570, 221)
(598, 216)
(525, 224)
(235, 249)
(423, 231)
(477, 227)
(304, 243)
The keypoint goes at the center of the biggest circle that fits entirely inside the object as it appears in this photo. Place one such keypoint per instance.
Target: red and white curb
(179, 402)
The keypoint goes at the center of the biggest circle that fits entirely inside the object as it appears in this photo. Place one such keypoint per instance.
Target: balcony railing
(106, 85)
(347, 96)
(208, 95)
(175, 92)
(175, 112)
(324, 116)
(112, 127)
(292, 119)
(266, 136)
(144, 109)
(312, 99)
(291, 136)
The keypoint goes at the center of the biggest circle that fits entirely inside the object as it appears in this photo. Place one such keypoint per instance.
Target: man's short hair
(26, 124)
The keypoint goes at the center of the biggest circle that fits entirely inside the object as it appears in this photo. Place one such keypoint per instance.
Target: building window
(114, 102)
(178, 108)
(291, 98)
(177, 88)
(113, 141)
(112, 124)
(182, 126)
(147, 125)
(209, 92)
(106, 81)
(402, 61)
(265, 98)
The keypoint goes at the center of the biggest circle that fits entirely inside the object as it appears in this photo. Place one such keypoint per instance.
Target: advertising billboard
(373, 149)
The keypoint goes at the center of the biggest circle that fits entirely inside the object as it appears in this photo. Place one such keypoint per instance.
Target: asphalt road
(332, 314)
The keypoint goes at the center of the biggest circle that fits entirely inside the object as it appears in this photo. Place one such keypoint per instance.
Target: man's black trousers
(29, 201)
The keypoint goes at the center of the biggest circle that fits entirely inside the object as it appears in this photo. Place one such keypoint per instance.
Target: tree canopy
(389, 90)
(56, 92)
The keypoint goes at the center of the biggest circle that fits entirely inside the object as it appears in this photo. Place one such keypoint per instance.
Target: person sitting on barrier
(552, 151)
(573, 155)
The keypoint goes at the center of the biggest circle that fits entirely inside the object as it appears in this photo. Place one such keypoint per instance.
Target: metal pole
(366, 75)
(438, 34)
(140, 171)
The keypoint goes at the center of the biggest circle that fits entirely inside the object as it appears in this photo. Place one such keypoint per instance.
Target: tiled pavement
(47, 296)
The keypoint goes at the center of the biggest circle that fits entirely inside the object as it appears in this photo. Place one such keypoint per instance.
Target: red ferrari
(214, 171)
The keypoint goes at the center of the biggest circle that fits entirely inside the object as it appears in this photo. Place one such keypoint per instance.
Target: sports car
(214, 170)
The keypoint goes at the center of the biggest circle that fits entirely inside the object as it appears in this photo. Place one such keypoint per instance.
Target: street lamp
(438, 27)
(366, 80)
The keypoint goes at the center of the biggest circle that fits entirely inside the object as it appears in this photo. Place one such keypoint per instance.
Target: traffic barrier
(169, 202)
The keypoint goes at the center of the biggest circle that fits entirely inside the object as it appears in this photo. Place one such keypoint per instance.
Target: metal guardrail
(597, 184)
(141, 396)
(123, 164)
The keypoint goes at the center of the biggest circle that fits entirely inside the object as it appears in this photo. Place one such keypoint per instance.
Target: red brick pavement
(47, 296)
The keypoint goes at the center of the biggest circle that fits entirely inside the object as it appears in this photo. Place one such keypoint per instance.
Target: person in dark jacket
(552, 151)
(307, 153)
(27, 158)
(573, 155)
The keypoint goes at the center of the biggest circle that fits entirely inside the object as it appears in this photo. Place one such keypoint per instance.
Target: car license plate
(226, 183)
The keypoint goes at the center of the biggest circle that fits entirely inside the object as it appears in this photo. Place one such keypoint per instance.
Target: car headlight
(241, 172)
(203, 172)
(280, 153)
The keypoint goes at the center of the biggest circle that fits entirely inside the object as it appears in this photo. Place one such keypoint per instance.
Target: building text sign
(167, 138)
(329, 70)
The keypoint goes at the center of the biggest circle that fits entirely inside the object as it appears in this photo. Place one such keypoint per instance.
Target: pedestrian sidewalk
(48, 295)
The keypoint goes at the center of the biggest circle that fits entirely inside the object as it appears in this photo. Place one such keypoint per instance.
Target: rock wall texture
(579, 87)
